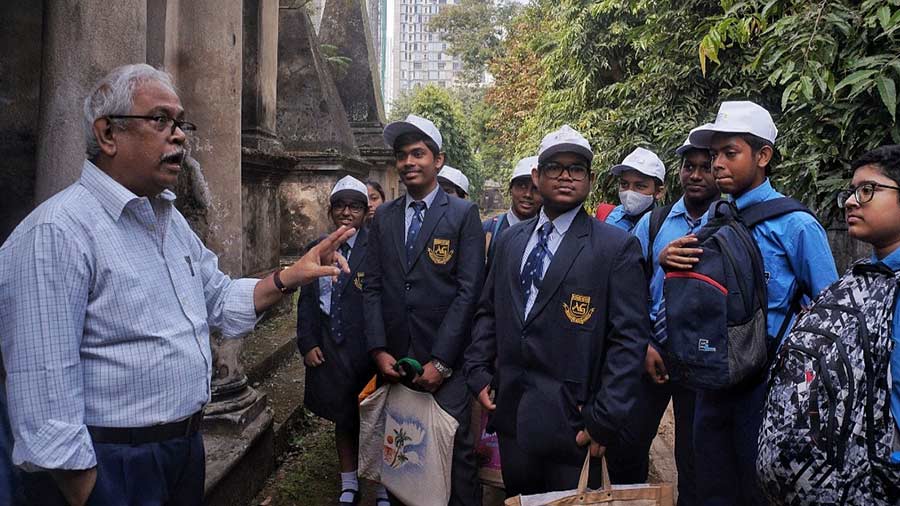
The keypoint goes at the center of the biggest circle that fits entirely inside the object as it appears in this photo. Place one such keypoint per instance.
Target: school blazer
(312, 322)
(582, 345)
(424, 310)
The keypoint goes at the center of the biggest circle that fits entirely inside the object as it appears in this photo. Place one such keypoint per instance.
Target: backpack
(827, 431)
(657, 216)
(715, 313)
(603, 211)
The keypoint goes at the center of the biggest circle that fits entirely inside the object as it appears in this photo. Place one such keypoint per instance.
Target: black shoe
(355, 500)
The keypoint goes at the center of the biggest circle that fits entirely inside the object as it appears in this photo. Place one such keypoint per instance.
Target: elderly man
(107, 299)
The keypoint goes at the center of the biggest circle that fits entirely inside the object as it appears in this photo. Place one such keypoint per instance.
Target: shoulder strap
(496, 223)
(657, 217)
(603, 211)
(770, 209)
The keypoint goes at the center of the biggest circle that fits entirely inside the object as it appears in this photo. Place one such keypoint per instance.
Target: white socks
(348, 482)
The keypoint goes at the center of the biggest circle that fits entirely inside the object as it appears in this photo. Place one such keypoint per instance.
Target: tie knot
(418, 206)
(345, 250)
(545, 231)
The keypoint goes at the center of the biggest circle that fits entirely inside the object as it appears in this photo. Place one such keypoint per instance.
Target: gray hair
(114, 95)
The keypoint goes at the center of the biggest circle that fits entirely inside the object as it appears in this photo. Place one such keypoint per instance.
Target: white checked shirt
(106, 304)
(560, 226)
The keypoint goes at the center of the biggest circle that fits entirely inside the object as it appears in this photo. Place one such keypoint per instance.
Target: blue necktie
(414, 225)
(533, 272)
(660, 333)
(336, 333)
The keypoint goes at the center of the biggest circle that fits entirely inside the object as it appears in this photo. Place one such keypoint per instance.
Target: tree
(446, 112)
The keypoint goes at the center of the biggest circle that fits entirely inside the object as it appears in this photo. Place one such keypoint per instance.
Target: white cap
(412, 123)
(740, 118)
(456, 177)
(350, 183)
(523, 168)
(644, 161)
(564, 140)
(687, 146)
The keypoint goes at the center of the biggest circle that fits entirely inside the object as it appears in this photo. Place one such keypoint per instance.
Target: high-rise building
(416, 55)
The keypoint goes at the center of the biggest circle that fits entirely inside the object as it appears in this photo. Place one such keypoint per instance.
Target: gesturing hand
(320, 260)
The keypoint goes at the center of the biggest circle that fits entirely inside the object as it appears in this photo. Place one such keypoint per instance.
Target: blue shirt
(619, 218)
(893, 262)
(107, 300)
(560, 226)
(677, 224)
(795, 252)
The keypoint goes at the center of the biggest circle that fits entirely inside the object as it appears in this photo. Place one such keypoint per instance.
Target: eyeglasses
(355, 207)
(162, 122)
(553, 170)
(864, 193)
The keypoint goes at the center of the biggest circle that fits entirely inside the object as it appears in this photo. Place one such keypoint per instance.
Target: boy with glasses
(565, 355)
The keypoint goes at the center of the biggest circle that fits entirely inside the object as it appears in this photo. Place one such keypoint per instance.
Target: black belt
(152, 434)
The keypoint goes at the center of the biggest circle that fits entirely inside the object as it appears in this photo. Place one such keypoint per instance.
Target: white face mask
(635, 203)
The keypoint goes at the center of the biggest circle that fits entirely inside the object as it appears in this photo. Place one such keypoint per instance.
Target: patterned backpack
(827, 431)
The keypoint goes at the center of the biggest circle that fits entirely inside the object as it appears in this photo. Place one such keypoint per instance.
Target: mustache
(175, 157)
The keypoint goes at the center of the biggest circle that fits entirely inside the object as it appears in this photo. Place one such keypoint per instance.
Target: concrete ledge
(238, 465)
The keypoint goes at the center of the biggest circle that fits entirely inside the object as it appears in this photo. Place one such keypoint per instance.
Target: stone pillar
(205, 59)
(83, 41)
(260, 71)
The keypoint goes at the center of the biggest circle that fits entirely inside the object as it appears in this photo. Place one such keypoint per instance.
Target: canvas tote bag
(406, 443)
(608, 495)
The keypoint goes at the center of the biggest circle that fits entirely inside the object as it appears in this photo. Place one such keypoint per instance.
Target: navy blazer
(582, 344)
(424, 310)
(312, 322)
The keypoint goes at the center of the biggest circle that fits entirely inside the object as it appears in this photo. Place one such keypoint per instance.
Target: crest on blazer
(439, 252)
(579, 309)
(358, 280)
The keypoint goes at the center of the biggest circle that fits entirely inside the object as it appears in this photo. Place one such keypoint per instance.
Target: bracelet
(276, 277)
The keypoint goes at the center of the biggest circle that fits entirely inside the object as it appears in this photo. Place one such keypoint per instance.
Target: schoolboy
(453, 182)
(422, 278)
(684, 217)
(796, 258)
(641, 184)
(525, 202)
(330, 338)
(565, 355)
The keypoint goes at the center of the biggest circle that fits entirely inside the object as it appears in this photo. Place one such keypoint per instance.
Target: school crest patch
(357, 281)
(579, 309)
(439, 252)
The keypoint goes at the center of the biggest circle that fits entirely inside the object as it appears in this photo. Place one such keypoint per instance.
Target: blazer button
(408, 286)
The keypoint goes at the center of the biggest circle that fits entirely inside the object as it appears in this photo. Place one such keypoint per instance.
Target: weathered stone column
(260, 74)
(83, 41)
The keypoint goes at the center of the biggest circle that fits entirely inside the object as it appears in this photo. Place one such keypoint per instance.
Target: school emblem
(439, 252)
(579, 309)
(357, 281)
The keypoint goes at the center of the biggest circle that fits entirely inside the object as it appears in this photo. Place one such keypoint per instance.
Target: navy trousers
(629, 457)
(169, 473)
(524, 473)
(726, 428)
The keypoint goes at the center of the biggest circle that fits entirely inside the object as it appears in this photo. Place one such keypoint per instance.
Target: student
(565, 355)
(330, 338)
(796, 258)
(423, 276)
(376, 198)
(525, 202)
(684, 217)
(453, 182)
(641, 178)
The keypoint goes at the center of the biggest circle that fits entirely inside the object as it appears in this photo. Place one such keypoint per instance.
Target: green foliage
(446, 111)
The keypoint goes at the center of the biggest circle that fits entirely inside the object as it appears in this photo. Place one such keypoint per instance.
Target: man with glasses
(561, 334)
(107, 299)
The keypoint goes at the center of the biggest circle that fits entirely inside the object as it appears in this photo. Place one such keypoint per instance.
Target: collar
(352, 240)
(759, 194)
(892, 260)
(112, 196)
(511, 217)
(678, 208)
(429, 199)
(562, 222)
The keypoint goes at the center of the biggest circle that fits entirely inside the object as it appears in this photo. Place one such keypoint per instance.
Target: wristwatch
(445, 371)
(276, 278)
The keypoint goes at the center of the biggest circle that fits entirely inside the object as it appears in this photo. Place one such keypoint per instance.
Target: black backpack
(827, 431)
(715, 313)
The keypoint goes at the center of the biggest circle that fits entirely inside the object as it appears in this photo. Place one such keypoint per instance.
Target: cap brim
(566, 148)
(398, 128)
(349, 194)
(617, 170)
(687, 147)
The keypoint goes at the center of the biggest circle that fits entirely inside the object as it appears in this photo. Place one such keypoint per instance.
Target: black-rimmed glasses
(161, 122)
(355, 207)
(553, 170)
(864, 193)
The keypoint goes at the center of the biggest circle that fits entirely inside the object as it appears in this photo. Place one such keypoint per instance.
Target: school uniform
(419, 302)
(496, 226)
(577, 342)
(330, 316)
(796, 256)
(619, 218)
(653, 399)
